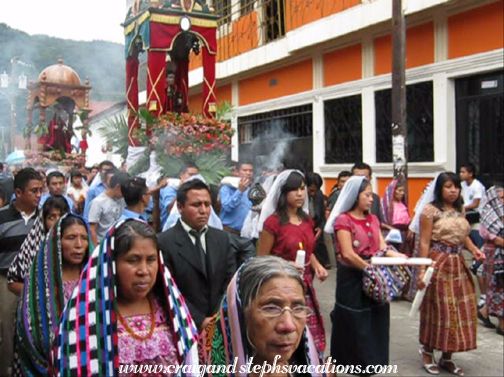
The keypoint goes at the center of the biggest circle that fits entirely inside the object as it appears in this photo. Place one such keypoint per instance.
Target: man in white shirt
(108, 207)
(473, 190)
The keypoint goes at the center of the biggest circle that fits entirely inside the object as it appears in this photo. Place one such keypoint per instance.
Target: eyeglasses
(273, 311)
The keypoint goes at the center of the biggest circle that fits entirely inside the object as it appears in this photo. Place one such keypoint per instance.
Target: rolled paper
(231, 181)
(417, 302)
(394, 261)
(174, 182)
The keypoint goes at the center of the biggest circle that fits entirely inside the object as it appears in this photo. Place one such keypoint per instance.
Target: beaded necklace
(131, 332)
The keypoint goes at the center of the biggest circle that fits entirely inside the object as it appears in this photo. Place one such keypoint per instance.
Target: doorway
(480, 125)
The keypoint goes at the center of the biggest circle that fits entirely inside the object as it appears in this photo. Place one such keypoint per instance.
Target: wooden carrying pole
(399, 130)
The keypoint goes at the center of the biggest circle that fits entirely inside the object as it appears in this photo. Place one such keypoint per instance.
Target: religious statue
(59, 135)
(174, 99)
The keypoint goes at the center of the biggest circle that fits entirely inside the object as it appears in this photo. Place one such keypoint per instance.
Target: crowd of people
(87, 286)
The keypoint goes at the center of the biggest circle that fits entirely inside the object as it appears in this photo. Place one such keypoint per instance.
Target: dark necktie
(199, 249)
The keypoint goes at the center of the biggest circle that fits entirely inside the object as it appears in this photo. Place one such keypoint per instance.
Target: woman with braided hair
(48, 285)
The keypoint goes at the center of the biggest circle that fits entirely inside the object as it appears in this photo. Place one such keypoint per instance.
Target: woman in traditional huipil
(48, 285)
(360, 333)
(492, 231)
(253, 328)
(285, 228)
(448, 313)
(395, 214)
(146, 324)
(53, 209)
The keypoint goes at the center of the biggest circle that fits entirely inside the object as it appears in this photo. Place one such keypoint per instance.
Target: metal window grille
(343, 130)
(420, 123)
(261, 134)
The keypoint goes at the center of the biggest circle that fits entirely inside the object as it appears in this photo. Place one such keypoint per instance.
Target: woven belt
(444, 248)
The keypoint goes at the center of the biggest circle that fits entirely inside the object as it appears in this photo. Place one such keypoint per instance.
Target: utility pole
(399, 129)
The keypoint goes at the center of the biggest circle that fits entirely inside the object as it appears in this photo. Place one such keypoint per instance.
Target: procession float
(55, 101)
(162, 134)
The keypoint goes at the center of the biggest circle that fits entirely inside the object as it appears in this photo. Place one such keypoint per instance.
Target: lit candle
(300, 256)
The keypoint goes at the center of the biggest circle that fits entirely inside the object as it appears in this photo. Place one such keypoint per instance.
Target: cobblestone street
(486, 360)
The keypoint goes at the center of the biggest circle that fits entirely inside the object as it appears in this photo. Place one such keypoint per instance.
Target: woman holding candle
(360, 333)
(448, 313)
(285, 228)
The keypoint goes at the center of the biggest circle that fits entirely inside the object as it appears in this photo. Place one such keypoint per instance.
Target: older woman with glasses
(263, 316)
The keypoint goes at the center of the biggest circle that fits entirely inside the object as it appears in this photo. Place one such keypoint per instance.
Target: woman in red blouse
(285, 228)
(360, 333)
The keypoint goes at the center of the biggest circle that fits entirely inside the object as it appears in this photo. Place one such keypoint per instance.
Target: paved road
(486, 360)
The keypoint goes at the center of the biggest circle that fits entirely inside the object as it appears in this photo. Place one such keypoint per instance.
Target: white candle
(300, 256)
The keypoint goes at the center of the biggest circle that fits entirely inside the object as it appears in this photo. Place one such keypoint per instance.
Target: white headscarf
(345, 202)
(214, 220)
(270, 203)
(427, 197)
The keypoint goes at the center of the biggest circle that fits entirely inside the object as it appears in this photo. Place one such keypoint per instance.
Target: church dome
(60, 74)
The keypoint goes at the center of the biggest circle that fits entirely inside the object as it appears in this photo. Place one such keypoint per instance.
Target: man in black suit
(198, 256)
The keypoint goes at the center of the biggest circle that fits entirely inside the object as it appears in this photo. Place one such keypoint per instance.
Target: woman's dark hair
(72, 220)
(364, 185)
(54, 202)
(294, 181)
(438, 190)
(399, 184)
(127, 233)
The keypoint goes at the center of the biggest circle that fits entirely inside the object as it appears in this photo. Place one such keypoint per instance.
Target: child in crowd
(77, 191)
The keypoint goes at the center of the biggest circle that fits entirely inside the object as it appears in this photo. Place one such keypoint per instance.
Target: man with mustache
(198, 256)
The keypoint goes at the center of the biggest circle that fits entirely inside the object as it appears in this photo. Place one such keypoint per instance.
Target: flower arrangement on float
(66, 161)
(179, 139)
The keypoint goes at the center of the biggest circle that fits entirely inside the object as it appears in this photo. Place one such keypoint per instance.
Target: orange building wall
(196, 103)
(224, 93)
(415, 189)
(302, 12)
(196, 100)
(419, 49)
(343, 65)
(292, 79)
(244, 37)
(465, 30)
(329, 184)
(195, 61)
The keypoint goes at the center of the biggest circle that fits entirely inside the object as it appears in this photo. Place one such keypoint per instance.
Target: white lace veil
(345, 202)
(270, 203)
(426, 198)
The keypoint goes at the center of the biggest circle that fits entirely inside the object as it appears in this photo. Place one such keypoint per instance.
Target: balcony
(249, 24)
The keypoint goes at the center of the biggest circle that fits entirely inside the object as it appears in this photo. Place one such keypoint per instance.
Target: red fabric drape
(182, 82)
(156, 82)
(209, 87)
(132, 99)
(162, 35)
